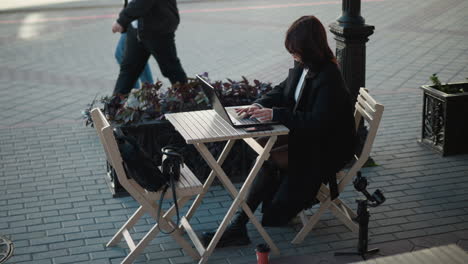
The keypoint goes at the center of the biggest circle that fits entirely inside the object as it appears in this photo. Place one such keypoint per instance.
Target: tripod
(363, 215)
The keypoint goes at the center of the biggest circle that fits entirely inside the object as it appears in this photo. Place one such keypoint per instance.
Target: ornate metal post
(351, 34)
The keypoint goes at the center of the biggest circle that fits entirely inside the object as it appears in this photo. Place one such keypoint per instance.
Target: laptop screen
(214, 99)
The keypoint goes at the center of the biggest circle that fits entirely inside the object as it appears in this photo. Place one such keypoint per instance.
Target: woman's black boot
(235, 234)
(236, 231)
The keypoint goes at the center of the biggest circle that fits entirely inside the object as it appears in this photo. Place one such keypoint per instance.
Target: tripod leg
(363, 220)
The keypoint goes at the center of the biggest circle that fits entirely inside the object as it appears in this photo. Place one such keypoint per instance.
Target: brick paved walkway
(54, 203)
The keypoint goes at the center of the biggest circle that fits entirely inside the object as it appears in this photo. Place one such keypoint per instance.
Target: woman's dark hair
(306, 37)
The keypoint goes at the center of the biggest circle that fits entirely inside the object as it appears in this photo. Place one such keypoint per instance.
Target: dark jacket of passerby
(158, 17)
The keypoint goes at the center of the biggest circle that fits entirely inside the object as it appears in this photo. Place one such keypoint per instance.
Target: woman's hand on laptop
(247, 111)
(262, 114)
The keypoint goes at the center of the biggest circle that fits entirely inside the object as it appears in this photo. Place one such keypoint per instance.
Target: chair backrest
(370, 111)
(111, 148)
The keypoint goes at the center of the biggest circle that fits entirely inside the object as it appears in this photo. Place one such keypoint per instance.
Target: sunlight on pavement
(13, 4)
(29, 30)
(186, 11)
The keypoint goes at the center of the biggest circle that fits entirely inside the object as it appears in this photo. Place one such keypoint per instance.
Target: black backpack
(139, 166)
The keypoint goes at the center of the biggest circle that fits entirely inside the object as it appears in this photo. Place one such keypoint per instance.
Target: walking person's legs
(146, 76)
(163, 48)
(134, 60)
(120, 48)
(120, 51)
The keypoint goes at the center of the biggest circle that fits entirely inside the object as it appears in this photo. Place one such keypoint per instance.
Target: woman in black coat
(314, 103)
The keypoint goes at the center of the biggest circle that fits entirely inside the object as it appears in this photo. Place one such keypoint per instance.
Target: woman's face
(296, 58)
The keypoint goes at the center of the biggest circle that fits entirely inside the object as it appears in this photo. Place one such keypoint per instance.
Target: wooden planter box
(445, 120)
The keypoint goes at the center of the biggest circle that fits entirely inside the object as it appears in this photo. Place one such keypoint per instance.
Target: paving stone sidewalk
(55, 205)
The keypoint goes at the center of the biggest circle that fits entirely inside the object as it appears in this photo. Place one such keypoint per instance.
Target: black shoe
(233, 236)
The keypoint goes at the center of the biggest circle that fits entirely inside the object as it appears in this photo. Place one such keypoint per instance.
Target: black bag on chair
(138, 164)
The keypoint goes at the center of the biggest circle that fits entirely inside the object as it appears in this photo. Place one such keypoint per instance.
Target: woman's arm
(273, 98)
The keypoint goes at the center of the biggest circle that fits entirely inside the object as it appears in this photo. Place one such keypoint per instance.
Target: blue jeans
(146, 75)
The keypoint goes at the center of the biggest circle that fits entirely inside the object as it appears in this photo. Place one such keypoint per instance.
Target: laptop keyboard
(239, 120)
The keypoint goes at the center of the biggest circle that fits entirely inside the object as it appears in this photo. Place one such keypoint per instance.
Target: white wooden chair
(371, 111)
(186, 187)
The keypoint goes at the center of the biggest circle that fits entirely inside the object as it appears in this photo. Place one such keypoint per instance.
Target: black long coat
(322, 135)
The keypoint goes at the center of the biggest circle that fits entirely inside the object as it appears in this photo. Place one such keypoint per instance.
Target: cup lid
(262, 248)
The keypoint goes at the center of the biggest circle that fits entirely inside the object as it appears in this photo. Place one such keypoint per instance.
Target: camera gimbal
(374, 200)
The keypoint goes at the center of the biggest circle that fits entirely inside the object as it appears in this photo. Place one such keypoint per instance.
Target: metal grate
(6, 249)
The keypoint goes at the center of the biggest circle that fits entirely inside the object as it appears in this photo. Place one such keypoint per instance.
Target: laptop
(229, 114)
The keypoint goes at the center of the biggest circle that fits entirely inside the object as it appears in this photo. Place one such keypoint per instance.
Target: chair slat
(363, 92)
(365, 104)
(364, 113)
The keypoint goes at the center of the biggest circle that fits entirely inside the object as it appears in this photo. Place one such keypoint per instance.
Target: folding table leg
(263, 155)
(222, 227)
(238, 196)
(209, 180)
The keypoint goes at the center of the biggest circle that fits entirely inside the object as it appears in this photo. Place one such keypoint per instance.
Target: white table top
(207, 126)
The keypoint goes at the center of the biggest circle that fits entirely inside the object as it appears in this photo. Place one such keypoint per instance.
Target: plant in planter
(141, 115)
(445, 117)
(150, 103)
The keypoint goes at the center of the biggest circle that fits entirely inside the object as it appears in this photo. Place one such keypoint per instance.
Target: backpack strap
(168, 167)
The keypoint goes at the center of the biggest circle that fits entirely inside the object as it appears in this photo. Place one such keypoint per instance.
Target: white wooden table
(200, 127)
